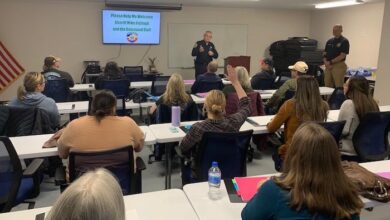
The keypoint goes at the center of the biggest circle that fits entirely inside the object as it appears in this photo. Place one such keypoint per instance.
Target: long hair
(112, 70)
(359, 92)
(313, 174)
(215, 103)
(309, 104)
(175, 91)
(103, 104)
(95, 195)
(243, 78)
(30, 82)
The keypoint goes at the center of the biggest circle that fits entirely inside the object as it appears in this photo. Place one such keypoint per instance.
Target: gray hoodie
(37, 99)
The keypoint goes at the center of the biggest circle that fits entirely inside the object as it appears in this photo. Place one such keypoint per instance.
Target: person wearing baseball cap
(298, 69)
(264, 79)
(51, 66)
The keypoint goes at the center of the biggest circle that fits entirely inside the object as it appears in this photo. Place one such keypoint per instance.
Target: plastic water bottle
(214, 181)
(175, 115)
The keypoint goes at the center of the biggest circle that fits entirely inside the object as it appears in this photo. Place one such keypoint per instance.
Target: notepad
(384, 174)
(131, 214)
(189, 81)
(202, 94)
(247, 186)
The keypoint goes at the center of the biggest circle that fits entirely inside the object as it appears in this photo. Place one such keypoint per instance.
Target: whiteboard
(229, 40)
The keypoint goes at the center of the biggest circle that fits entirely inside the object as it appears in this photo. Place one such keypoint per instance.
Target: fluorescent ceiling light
(338, 4)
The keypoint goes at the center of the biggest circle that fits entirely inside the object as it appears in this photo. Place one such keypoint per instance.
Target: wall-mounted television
(130, 27)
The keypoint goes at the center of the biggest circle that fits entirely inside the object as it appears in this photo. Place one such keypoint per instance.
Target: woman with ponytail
(30, 95)
(216, 121)
(101, 130)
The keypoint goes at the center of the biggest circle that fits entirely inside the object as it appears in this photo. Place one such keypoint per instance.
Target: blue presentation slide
(131, 27)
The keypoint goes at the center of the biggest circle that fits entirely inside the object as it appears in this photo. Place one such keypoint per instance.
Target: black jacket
(263, 80)
(206, 82)
(55, 73)
(203, 57)
(99, 80)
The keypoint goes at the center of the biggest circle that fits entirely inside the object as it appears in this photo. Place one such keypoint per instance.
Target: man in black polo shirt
(336, 51)
(205, 52)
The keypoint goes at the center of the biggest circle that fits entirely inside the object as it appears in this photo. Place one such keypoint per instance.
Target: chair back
(264, 84)
(228, 149)
(120, 88)
(118, 161)
(159, 85)
(134, 73)
(10, 174)
(57, 89)
(370, 139)
(256, 104)
(189, 113)
(336, 99)
(205, 86)
(335, 128)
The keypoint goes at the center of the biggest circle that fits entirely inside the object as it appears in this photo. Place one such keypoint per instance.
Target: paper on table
(68, 106)
(131, 214)
(384, 174)
(189, 81)
(248, 186)
(202, 95)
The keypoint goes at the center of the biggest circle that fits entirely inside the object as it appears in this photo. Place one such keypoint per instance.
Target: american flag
(10, 69)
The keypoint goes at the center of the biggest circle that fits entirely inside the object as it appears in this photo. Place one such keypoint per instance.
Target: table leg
(168, 165)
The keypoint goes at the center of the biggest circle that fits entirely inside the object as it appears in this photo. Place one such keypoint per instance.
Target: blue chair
(370, 139)
(57, 89)
(16, 184)
(336, 99)
(205, 86)
(121, 89)
(335, 128)
(228, 149)
(118, 161)
(134, 73)
(159, 85)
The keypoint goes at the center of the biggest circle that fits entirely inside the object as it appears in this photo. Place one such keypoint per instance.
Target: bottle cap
(214, 164)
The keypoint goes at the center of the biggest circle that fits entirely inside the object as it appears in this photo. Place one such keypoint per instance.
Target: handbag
(368, 184)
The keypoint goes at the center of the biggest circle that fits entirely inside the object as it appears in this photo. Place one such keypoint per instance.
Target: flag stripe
(6, 74)
(14, 73)
(12, 58)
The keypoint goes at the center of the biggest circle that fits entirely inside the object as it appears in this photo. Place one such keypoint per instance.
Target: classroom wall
(32, 29)
(383, 77)
(362, 26)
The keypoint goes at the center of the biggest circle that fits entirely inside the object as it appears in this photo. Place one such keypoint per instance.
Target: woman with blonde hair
(175, 93)
(95, 195)
(312, 184)
(216, 121)
(30, 95)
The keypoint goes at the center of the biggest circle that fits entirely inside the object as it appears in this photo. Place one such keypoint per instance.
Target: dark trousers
(200, 68)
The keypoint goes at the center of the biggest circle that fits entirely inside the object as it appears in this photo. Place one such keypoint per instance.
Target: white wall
(362, 26)
(33, 29)
(383, 76)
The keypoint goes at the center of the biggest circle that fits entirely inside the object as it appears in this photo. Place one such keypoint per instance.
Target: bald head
(212, 67)
(337, 30)
(207, 36)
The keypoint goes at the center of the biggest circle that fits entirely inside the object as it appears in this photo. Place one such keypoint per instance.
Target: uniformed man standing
(336, 51)
(205, 52)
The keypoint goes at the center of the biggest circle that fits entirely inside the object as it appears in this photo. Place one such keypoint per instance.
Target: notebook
(246, 187)
(384, 174)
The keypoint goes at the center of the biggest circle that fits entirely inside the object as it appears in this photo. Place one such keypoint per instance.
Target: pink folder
(202, 94)
(189, 81)
(384, 174)
(247, 186)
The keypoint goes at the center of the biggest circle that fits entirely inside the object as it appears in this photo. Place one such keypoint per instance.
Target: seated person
(307, 105)
(266, 74)
(232, 99)
(312, 184)
(30, 95)
(298, 69)
(51, 70)
(94, 195)
(208, 81)
(359, 102)
(175, 92)
(216, 120)
(101, 130)
(111, 72)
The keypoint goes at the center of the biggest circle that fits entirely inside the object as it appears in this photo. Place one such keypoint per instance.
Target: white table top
(31, 146)
(162, 205)
(82, 106)
(334, 114)
(207, 209)
(91, 87)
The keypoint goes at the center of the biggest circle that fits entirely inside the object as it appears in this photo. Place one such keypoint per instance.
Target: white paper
(131, 214)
